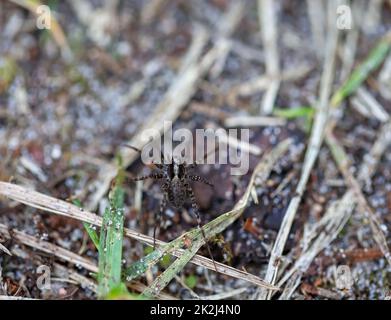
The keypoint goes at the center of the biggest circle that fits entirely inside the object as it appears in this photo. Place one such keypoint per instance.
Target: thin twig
(267, 19)
(47, 247)
(55, 28)
(313, 148)
(343, 163)
(4, 249)
(316, 14)
(2, 297)
(249, 121)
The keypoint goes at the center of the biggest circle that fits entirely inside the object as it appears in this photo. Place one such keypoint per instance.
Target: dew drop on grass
(44, 236)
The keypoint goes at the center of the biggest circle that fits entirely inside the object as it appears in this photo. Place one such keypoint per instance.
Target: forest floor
(316, 225)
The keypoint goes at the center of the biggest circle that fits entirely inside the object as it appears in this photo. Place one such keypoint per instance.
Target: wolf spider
(176, 188)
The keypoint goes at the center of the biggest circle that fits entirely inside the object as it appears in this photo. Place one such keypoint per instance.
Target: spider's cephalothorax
(176, 187)
(176, 183)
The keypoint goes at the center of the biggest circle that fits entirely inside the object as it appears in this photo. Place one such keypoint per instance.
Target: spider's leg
(131, 147)
(197, 214)
(192, 166)
(165, 186)
(149, 176)
(199, 179)
(162, 161)
(198, 162)
(163, 204)
(157, 165)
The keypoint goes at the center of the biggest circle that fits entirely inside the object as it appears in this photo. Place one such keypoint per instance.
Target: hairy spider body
(176, 183)
(176, 187)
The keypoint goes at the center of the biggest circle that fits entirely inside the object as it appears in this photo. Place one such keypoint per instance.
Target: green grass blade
(140, 267)
(92, 234)
(293, 113)
(361, 73)
(8, 70)
(164, 279)
(90, 229)
(110, 243)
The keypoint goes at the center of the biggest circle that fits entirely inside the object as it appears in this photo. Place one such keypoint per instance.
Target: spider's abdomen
(177, 193)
